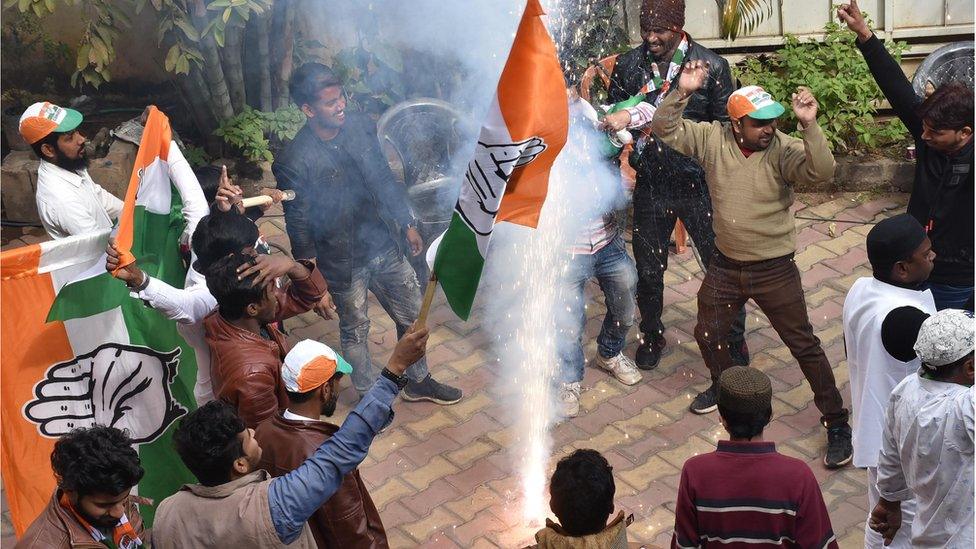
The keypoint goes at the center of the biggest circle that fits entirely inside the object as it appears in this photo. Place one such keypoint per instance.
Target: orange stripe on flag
(533, 102)
(29, 347)
(154, 144)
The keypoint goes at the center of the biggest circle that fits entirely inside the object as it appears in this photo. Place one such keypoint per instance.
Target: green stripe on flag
(458, 266)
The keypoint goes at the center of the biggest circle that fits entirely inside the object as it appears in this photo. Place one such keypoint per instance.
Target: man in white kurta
(927, 449)
(901, 258)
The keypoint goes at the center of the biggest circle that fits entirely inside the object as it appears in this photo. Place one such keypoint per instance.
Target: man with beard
(752, 169)
(670, 185)
(95, 469)
(68, 201)
(311, 373)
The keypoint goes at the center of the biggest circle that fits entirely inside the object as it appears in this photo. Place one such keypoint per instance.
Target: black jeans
(655, 212)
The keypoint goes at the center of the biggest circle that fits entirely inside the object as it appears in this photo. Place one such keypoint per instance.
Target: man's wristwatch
(400, 381)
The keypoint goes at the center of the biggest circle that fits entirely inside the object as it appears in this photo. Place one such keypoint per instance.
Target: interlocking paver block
(421, 477)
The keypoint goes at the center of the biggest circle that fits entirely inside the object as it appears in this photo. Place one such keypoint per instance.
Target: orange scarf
(123, 534)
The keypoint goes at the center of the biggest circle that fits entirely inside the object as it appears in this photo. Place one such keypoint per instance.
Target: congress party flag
(78, 350)
(508, 178)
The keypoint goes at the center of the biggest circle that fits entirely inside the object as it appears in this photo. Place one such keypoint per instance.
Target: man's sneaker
(739, 352)
(649, 352)
(839, 449)
(569, 395)
(431, 390)
(706, 401)
(621, 367)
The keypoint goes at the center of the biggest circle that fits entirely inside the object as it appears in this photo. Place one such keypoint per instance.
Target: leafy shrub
(249, 130)
(838, 76)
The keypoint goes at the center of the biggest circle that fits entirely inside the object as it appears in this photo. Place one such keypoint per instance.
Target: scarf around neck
(663, 83)
(123, 534)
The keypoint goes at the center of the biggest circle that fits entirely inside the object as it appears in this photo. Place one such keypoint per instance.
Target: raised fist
(121, 386)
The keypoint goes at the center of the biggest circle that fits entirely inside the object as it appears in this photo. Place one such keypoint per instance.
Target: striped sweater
(745, 494)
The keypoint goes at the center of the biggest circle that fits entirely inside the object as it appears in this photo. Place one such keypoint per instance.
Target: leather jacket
(347, 201)
(56, 528)
(349, 519)
(657, 165)
(246, 367)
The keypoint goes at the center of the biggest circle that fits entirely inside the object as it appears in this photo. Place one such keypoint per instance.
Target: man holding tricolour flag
(79, 351)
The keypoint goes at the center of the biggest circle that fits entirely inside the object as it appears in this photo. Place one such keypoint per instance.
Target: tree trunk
(263, 24)
(213, 72)
(232, 55)
(202, 110)
(283, 29)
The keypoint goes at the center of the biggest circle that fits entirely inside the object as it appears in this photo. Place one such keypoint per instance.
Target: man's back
(928, 450)
(349, 518)
(745, 494)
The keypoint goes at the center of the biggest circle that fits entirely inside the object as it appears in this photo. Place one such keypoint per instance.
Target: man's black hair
(302, 398)
(581, 492)
(219, 234)
(950, 107)
(745, 425)
(96, 460)
(49, 139)
(233, 294)
(209, 178)
(309, 80)
(948, 371)
(207, 442)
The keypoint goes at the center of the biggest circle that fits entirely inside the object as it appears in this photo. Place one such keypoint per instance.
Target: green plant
(196, 156)
(249, 130)
(587, 34)
(836, 73)
(742, 16)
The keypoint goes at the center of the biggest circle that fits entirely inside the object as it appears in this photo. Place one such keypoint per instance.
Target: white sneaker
(621, 367)
(569, 395)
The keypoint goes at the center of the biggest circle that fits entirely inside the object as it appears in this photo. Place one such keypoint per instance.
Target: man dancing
(752, 169)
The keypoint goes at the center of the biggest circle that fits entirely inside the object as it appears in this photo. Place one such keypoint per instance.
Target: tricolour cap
(309, 365)
(40, 119)
(754, 102)
(945, 337)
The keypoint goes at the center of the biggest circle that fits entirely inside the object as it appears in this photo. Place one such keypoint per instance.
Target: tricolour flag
(508, 178)
(78, 350)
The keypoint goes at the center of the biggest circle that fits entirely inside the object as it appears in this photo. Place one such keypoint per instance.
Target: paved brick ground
(443, 476)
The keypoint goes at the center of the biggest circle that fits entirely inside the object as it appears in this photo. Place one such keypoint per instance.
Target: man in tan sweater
(751, 169)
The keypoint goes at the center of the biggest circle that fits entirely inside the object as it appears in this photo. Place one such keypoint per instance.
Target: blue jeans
(394, 283)
(951, 297)
(617, 276)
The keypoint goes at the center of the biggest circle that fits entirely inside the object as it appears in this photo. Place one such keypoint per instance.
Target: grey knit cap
(945, 337)
(745, 390)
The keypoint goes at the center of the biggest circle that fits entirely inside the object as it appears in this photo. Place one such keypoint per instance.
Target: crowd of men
(272, 472)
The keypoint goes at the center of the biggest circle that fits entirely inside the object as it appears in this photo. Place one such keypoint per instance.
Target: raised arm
(808, 160)
(889, 76)
(670, 127)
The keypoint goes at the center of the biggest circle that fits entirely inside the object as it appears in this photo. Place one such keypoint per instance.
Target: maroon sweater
(746, 495)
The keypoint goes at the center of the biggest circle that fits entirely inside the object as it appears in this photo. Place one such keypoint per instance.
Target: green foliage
(249, 130)
(372, 75)
(742, 16)
(196, 156)
(589, 33)
(836, 73)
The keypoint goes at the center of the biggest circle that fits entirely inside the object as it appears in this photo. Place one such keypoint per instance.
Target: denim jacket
(326, 218)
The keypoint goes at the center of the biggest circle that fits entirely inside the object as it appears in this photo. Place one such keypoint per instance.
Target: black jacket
(348, 205)
(942, 197)
(657, 164)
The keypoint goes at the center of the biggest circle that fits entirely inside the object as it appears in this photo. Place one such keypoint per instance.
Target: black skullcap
(893, 240)
(744, 390)
(900, 330)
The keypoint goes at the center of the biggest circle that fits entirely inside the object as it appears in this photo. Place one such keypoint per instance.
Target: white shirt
(874, 373)
(188, 307)
(70, 203)
(928, 453)
(289, 415)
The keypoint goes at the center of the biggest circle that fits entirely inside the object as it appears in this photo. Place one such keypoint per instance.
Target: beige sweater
(751, 197)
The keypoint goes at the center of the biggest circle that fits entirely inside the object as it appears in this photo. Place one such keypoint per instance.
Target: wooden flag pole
(428, 299)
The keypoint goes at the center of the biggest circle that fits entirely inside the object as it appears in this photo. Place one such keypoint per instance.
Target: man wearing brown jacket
(246, 349)
(95, 467)
(311, 374)
(752, 169)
